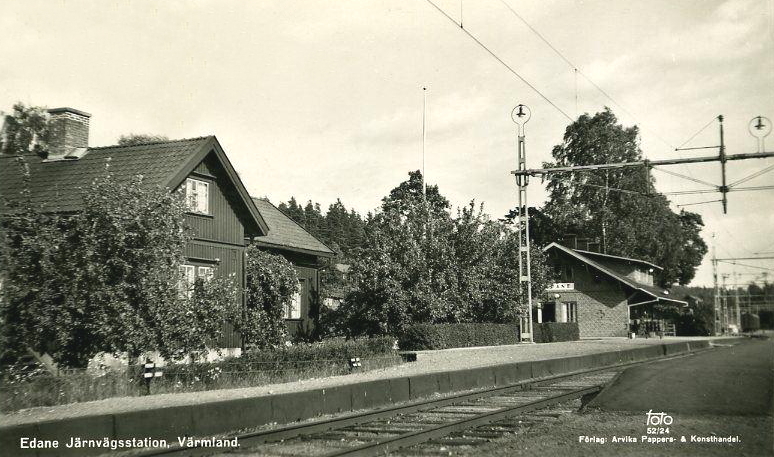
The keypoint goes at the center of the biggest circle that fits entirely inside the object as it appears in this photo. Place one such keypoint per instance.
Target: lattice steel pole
(716, 290)
(520, 116)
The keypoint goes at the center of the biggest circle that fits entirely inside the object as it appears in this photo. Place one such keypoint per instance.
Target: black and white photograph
(387, 227)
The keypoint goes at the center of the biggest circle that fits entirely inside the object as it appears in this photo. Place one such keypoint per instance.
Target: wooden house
(305, 252)
(223, 216)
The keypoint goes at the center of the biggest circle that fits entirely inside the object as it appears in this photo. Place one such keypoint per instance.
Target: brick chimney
(69, 133)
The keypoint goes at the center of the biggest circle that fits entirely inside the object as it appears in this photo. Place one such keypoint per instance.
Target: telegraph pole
(736, 304)
(520, 116)
(716, 295)
(760, 128)
(722, 157)
(724, 303)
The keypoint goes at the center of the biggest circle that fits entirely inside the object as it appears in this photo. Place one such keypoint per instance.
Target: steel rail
(324, 425)
(296, 430)
(387, 445)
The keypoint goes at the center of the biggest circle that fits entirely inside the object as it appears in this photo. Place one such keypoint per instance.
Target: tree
(25, 130)
(271, 283)
(620, 206)
(105, 279)
(134, 139)
(419, 264)
(340, 230)
(542, 229)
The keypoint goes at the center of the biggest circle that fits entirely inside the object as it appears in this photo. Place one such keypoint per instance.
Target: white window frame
(206, 273)
(570, 311)
(197, 195)
(188, 275)
(186, 282)
(293, 307)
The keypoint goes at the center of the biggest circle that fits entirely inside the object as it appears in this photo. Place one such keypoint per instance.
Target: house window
(205, 273)
(197, 195)
(186, 281)
(559, 312)
(571, 311)
(188, 276)
(293, 308)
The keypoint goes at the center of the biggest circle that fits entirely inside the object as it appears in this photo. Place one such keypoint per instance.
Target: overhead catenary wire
(604, 93)
(709, 191)
(697, 133)
(578, 71)
(496, 57)
(698, 203)
(614, 189)
(746, 265)
(754, 175)
(680, 175)
(554, 105)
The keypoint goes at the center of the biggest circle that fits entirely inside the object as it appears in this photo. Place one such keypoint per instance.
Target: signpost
(149, 372)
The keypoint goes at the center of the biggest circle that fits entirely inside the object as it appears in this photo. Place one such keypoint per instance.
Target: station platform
(427, 362)
(433, 373)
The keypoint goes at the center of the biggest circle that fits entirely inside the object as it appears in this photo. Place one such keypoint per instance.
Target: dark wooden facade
(308, 271)
(221, 236)
(221, 231)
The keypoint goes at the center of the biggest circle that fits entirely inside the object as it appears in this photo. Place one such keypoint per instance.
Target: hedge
(302, 356)
(552, 332)
(283, 364)
(443, 336)
(766, 319)
(329, 349)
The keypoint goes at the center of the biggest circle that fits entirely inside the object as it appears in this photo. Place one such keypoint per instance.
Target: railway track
(441, 426)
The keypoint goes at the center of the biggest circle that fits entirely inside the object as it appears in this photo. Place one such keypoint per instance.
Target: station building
(602, 293)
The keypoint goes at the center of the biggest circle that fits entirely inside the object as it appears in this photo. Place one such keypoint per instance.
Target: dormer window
(197, 196)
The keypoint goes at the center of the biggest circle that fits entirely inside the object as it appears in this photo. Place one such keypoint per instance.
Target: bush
(271, 282)
(104, 279)
(443, 336)
(552, 332)
(325, 358)
(750, 322)
(766, 319)
(21, 387)
(692, 325)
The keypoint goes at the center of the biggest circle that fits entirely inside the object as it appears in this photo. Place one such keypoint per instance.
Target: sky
(323, 99)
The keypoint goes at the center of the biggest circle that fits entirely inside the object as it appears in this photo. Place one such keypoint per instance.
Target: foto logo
(658, 418)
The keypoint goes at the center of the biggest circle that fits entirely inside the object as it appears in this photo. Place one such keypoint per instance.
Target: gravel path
(427, 362)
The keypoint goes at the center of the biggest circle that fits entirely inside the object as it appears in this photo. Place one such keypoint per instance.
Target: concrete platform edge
(211, 418)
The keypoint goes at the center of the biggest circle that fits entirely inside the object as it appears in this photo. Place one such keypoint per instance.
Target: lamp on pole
(521, 115)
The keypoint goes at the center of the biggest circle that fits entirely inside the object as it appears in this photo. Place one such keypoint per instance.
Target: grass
(80, 386)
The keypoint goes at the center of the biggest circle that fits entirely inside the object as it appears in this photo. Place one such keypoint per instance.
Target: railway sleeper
(455, 441)
(380, 430)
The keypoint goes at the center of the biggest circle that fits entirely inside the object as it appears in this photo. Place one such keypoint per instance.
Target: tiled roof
(56, 185)
(655, 292)
(615, 257)
(284, 232)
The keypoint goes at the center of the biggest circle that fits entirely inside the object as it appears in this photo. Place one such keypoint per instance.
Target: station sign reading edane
(559, 286)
